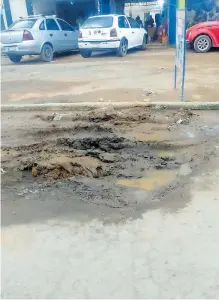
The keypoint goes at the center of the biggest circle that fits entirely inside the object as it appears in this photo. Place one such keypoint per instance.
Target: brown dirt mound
(64, 167)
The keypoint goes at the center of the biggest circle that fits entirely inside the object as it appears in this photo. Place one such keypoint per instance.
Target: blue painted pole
(184, 63)
(8, 15)
(172, 21)
(175, 76)
(29, 6)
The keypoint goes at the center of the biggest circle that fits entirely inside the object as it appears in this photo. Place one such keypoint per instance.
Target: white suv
(111, 32)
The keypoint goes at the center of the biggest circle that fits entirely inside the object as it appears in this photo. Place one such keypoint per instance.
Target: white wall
(18, 9)
(46, 7)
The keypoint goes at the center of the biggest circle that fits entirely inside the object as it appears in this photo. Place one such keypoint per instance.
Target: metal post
(184, 62)
(175, 75)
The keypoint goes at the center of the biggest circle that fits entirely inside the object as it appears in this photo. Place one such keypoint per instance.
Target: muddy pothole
(125, 160)
(93, 157)
(116, 145)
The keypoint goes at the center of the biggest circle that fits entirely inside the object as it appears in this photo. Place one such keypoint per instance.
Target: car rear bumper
(99, 45)
(23, 48)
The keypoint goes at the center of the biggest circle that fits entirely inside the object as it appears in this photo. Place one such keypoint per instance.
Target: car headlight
(190, 34)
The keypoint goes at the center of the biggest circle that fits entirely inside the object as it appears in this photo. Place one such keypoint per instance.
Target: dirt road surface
(110, 204)
(140, 76)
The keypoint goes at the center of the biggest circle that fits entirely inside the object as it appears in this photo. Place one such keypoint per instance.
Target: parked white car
(111, 32)
(38, 35)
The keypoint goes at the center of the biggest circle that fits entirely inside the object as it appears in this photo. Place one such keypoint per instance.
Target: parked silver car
(38, 35)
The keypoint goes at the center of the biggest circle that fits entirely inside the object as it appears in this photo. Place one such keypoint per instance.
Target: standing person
(150, 28)
(157, 22)
(151, 21)
(139, 21)
(162, 32)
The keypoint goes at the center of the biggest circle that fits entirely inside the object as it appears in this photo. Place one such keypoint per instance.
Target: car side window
(64, 25)
(51, 24)
(133, 23)
(42, 26)
(122, 22)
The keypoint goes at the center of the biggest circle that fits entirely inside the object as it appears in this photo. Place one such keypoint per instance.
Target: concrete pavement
(165, 254)
(117, 105)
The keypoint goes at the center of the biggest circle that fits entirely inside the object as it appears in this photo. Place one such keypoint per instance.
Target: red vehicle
(203, 36)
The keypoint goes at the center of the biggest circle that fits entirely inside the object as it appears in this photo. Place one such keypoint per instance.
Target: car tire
(86, 53)
(123, 48)
(15, 58)
(46, 53)
(144, 43)
(202, 44)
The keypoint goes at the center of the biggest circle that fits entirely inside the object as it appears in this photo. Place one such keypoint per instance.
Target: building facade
(69, 10)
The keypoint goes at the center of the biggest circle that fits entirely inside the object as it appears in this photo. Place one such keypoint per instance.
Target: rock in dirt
(182, 121)
(58, 117)
(185, 170)
(46, 118)
(183, 116)
(93, 152)
(103, 114)
(147, 92)
(108, 157)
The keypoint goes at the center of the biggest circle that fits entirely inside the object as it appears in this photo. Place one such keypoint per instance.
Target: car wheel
(15, 58)
(202, 44)
(144, 43)
(123, 48)
(86, 53)
(46, 53)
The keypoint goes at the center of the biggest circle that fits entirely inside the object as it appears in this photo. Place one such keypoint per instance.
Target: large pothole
(126, 160)
(119, 145)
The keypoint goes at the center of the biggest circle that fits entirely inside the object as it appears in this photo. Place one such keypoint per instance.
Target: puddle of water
(147, 137)
(166, 154)
(211, 131)
(150, 182)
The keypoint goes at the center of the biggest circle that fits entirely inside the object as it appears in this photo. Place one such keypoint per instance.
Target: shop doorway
(75, 11)
(105, 7)
(148, 14)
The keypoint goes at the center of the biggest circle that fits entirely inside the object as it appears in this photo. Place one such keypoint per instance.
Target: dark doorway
(105, 7)
(70, 11)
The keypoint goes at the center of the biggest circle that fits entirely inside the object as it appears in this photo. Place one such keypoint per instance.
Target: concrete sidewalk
(166, 254)
(115, 105)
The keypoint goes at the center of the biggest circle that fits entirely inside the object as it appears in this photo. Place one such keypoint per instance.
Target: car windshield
(21, 24)
(98, 22)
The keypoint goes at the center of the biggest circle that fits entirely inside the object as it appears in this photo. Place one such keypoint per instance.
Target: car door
(70, 36)
(54, 35)
(124, 30)
(215, 32)
(136, 31)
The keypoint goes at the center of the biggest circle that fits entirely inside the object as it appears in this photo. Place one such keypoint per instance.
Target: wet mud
(126, 159)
